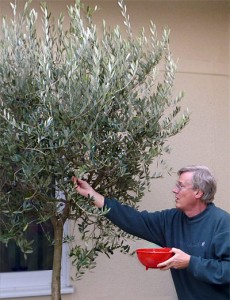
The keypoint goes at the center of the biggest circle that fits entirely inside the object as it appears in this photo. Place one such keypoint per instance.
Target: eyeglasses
(180, 187)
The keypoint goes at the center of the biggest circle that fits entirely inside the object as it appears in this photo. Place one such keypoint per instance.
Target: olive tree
(86, 102)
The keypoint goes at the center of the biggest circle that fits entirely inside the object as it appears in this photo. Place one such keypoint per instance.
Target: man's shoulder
(172, 212)
(219, 216)
(218, 211)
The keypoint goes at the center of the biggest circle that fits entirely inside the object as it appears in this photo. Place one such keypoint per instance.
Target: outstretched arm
(84, 189)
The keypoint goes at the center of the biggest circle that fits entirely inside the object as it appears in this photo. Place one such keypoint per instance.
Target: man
(197, 231)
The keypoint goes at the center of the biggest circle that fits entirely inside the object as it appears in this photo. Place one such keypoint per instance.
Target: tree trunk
(57, 258)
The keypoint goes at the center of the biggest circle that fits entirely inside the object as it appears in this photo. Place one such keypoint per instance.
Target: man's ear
(199, 194)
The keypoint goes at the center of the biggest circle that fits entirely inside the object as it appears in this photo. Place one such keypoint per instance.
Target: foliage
(86, 102)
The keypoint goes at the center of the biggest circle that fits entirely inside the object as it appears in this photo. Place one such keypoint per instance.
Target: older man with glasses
(197, 231)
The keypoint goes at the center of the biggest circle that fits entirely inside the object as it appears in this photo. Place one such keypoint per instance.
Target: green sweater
(206, 237)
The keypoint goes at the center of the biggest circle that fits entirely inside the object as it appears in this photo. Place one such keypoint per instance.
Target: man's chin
(177, 205)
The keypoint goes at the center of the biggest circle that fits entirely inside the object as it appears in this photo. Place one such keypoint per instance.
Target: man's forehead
(186, 176)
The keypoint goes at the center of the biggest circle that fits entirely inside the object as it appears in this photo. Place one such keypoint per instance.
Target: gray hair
(202, 180)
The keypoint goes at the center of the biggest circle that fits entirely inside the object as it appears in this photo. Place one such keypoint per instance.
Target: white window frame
(35, 283)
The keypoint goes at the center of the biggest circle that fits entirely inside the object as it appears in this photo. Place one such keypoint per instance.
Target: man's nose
(175, 190)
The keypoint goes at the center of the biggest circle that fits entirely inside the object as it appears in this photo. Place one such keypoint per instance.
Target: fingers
(179, 261)
(170, 263)
(78, 185)
(175, 250)
(164, 268)
(166, 265)
(77, 182)
(74, 179)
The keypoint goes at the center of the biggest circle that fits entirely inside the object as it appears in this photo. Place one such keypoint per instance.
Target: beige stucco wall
(200, 39)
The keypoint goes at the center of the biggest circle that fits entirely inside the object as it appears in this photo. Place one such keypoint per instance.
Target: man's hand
(84, 189)
(179, 261)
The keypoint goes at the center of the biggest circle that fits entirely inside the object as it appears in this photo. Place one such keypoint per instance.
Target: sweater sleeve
(145, 225)
(215, 270)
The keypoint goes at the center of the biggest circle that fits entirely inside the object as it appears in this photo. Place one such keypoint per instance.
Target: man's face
(186, 197)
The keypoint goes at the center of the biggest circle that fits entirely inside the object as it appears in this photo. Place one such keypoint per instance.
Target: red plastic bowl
(151, 257)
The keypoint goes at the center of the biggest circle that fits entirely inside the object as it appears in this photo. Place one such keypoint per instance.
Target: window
(31, 277)
(13, 260)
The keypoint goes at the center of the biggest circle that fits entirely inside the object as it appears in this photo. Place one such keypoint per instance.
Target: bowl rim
(154, 250)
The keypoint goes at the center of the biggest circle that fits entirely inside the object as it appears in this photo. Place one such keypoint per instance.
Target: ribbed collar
(202, 215)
